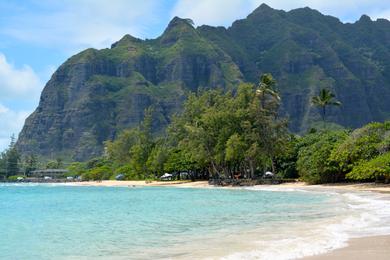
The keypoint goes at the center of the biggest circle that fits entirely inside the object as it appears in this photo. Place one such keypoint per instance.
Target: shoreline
(364, 248)
(371, 187)
(369, 247)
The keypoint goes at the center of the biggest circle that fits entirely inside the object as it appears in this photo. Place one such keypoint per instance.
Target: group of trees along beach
(240, 133)
(233, 134)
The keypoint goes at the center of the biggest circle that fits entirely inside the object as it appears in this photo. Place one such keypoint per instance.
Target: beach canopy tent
(166, 176)
(268, 175)
(119, 177)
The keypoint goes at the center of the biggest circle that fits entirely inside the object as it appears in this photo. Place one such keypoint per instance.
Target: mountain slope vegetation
(96, 94)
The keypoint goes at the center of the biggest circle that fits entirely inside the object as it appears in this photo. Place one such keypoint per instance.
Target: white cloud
(381, 14)
(11, 123)
(77, 24)
(222, 12)
(17, 86)
(3, 109)
(17, 83)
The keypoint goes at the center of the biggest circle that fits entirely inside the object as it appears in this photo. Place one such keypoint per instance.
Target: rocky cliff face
(97, 93)
(306, 51)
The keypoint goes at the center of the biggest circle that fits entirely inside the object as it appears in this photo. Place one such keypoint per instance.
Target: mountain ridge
(97, 93)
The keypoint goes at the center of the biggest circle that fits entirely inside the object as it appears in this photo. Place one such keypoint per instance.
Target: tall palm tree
(324, 99)
(266, 88)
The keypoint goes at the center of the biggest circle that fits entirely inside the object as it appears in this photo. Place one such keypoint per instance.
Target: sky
(37, 36)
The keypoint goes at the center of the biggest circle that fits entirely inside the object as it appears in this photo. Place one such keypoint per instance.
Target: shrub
(99, 173)
(129, 173)
(377, 168)
(313, 162)
(76, 169)
(363, 144)
(14, 177)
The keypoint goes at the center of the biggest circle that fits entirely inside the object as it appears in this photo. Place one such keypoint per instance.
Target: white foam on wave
(275, 188)
(362, 214)
(35, 184)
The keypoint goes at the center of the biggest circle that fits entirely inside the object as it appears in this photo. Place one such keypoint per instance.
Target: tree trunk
(273, 166)
(252, 170)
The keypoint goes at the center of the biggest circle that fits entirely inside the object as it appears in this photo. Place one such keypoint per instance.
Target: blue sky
(36, 36)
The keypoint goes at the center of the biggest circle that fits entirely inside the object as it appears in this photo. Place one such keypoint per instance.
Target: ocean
(51, 221)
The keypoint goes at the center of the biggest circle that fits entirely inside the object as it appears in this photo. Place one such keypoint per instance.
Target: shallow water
(68, 222)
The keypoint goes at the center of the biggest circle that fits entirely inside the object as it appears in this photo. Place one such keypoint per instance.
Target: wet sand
(382, 188)
(195, 184)
(366, 248)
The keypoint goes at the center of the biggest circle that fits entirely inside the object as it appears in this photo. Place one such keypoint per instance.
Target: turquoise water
(69, 222)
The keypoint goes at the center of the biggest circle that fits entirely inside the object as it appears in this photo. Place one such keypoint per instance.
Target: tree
(324, 99)
(3, 163)
(219, 133)
(132, 152)
(31, 164)
(227, 132)
(377, 168)
(363, 144)
(12, 158)
(266, 88)
(314, 164)
(56, 164)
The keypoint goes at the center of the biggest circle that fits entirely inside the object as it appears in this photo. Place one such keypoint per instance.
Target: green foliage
(377, 168)
(76, 169)
(286, 162)
(119, 150)
(324, 99)
(3, 165)
(15, 177)
(30, 164)
(95, 169)
(226, 133)
(135, 152)
(157, 158)
(10, 160)
(99, 173)
(129, 173)
(219, 132)
(56, 164)
(314, 165)
(362, 144)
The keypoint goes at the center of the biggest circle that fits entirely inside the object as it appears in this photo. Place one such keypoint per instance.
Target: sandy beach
(377, 247)
(366, 248)
(189, 184)
(382, 188)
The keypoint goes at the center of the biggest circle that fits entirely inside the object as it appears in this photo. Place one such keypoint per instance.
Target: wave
(357, 214)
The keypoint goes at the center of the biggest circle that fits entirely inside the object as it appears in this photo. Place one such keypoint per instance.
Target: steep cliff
(96, 93)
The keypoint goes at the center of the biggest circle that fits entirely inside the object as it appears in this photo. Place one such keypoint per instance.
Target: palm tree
(324, 99)
(266, 88)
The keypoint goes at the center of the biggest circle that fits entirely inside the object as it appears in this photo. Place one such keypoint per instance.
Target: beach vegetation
(10, 160)
(240, 134)
(221, 133)
(377, 168)
(231, 134)
(363, 144)
(314, 164)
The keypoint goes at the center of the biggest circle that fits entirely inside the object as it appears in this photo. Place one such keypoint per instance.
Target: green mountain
(97, 93)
